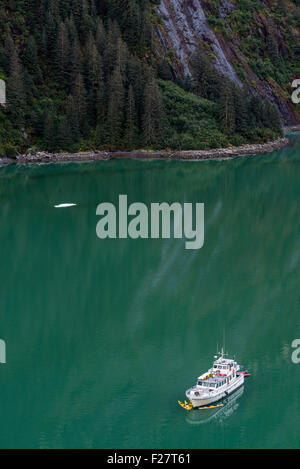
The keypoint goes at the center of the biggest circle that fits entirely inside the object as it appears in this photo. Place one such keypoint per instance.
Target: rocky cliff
(252, 43)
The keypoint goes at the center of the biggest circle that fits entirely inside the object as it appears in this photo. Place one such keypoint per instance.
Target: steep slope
(83, 74)
(254, 43)
(186, 25)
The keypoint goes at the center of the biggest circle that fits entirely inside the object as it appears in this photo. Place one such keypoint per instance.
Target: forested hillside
(89, 74)
(256, 43)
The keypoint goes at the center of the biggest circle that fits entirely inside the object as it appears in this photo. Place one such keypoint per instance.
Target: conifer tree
(115, 111)
(44, 41)
(16, 95)
(241, 112)
(256, 109)
(29, 88)
(227, 109)
(7, 52)
(49, 134)
(75, 67)
(85, 21)
(80, 103)
(128, 12)
(111, 49)
(153, 114)
(131, 122)
(100, 37)
(95, 85)
(270, 117)
(73, 118)
(64, 134)
(62, 55)
(206, 81)
(52, 21)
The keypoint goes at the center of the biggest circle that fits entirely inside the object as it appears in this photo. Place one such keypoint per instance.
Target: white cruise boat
(221, 380)
(216, 412)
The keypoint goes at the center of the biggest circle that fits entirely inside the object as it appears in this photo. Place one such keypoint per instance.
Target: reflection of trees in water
(197, 417)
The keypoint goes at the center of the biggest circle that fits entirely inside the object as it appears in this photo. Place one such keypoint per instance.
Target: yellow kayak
(210, 406)
(189, 405)
(186, 405)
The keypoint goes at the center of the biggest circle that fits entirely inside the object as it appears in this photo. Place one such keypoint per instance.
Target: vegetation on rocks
(85, 74)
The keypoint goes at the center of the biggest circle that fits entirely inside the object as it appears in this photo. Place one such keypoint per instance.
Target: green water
(103, 337)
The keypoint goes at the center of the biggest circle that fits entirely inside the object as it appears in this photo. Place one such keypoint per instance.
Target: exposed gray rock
(225, 8)
(251, 149)
(185, 23)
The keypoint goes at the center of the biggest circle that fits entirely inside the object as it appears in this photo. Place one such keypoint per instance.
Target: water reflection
(197, 417)
(91, 313)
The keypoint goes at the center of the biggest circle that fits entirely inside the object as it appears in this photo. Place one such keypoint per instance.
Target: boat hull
(205, 401)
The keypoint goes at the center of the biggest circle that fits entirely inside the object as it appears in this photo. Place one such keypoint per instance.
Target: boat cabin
(212, 383)
(224, 366)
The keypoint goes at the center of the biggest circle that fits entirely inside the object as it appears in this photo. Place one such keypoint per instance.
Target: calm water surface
(103, 337)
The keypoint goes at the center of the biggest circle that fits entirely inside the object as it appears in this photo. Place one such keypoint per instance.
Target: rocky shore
(292, 128)
(250, 149)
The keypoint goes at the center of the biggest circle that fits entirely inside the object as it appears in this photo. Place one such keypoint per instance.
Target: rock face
(185, 25)
(225, 8)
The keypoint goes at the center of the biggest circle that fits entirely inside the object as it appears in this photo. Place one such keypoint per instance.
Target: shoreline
(230, 152)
